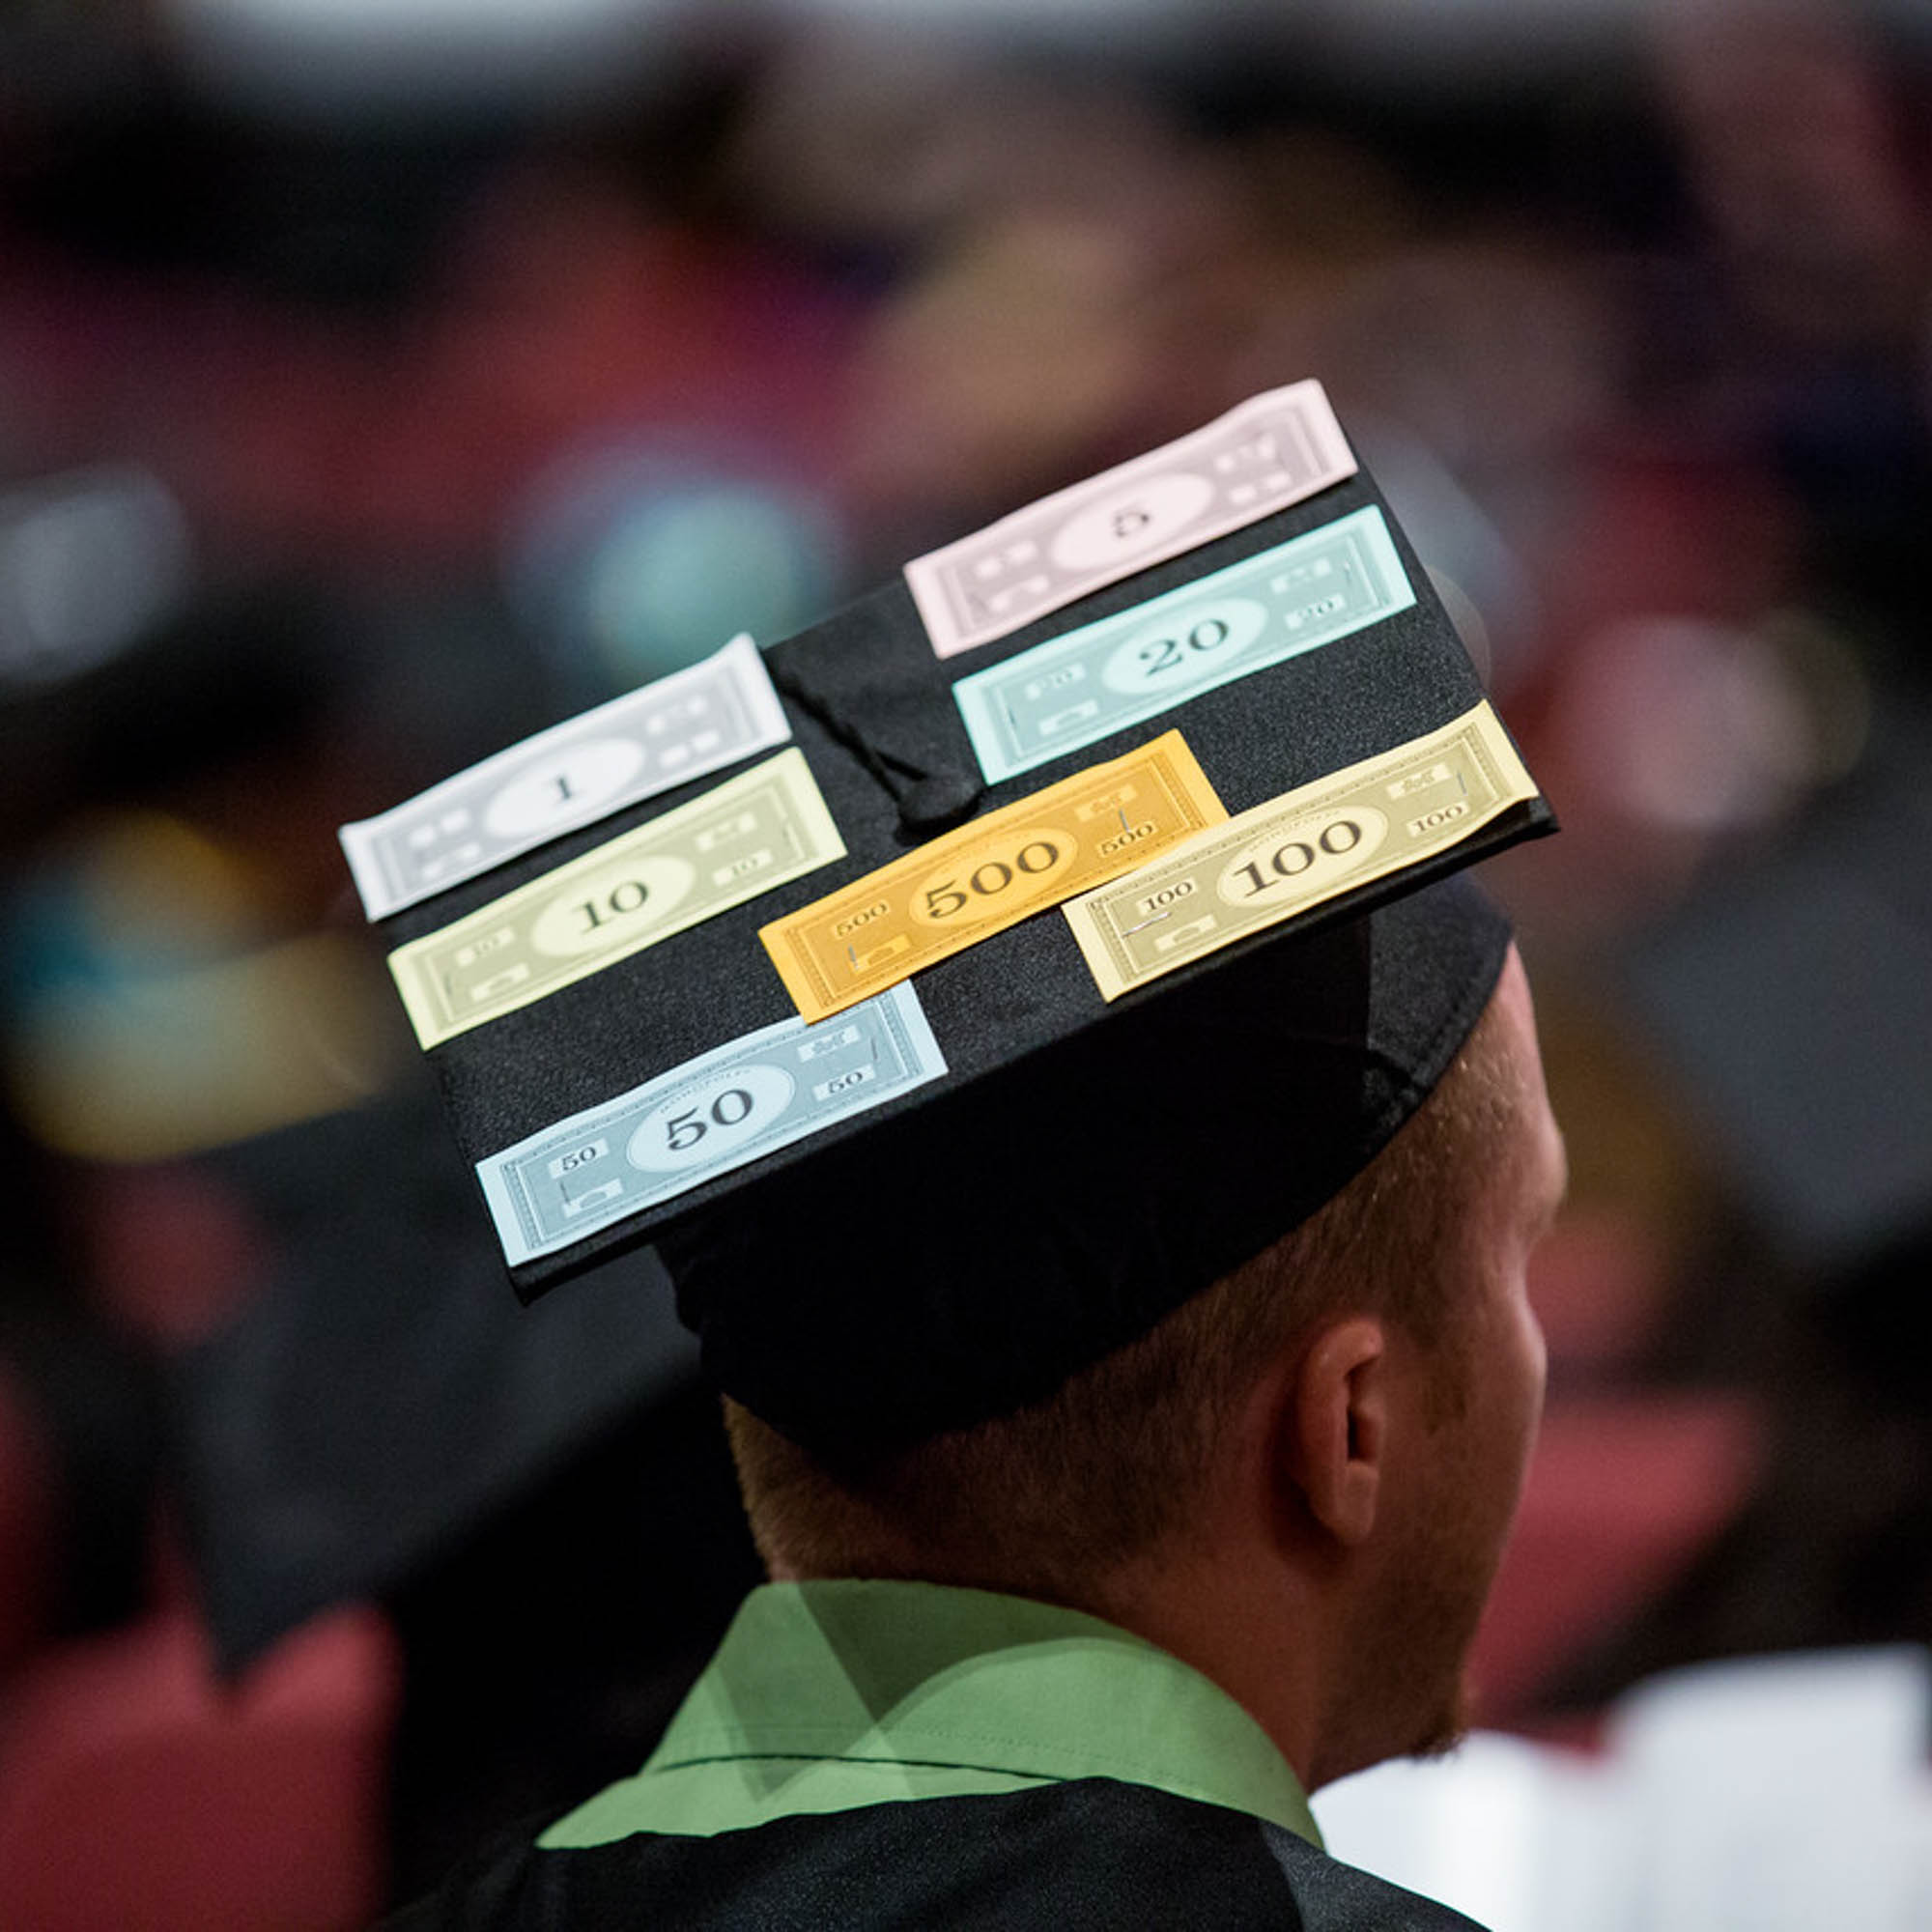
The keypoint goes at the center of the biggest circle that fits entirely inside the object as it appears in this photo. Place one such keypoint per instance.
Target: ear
(1334, 1430)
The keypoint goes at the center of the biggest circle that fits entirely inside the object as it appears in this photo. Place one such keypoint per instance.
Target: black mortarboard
(380, 1398)
(1789, 994)
(1082, 1164)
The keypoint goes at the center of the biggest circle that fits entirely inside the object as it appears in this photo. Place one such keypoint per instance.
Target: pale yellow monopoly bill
(753, 832)
(1296, 852)
(964, 887)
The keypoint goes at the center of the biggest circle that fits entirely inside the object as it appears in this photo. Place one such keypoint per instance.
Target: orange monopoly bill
(963, 888)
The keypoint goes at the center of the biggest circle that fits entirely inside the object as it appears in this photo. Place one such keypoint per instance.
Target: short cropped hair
(1043, 1501)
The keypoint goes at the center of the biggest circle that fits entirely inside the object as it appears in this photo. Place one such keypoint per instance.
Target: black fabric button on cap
(938, 802)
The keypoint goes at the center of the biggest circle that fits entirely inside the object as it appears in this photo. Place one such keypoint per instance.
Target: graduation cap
(953, 989)
(1780, 994)
(339, 1438)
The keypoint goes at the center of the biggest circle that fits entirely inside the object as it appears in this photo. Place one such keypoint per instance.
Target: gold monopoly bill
(1281, 859)
(961, 889)
(753, 832)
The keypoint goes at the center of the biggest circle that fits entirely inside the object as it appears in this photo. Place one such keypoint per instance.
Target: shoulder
(1087, 1854)
(1334, 1897)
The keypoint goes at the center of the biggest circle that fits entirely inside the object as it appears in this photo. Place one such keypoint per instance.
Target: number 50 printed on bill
(721, 1111)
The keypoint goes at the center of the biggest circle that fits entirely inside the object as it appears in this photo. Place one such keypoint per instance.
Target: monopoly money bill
(715, 1113)
(1086, 684)
(1281, 859)
(1269, 452)
(958, 889)
(687, 726)
(742, 838)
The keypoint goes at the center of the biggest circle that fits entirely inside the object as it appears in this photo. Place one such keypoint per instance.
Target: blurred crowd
(339, 449)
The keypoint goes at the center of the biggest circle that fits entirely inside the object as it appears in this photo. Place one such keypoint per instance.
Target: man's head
(1322, 1450)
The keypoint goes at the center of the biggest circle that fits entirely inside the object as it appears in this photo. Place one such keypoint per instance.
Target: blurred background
(382, 383)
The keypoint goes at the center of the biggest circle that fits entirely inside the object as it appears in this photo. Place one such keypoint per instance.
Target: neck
(1262, 1639)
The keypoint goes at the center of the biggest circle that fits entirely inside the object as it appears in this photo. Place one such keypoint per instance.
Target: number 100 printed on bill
(1281, 859)
(1075, 690)
(715, 1113)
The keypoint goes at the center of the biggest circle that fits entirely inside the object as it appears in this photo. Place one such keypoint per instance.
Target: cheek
(1522, 1394)
(1515, 1403)
(1534, 1364)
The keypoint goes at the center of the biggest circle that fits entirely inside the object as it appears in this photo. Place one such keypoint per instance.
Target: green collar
(824, 1697)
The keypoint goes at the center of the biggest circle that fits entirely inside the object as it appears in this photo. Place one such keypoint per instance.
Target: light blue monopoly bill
(715, 1113)
(1075, 690)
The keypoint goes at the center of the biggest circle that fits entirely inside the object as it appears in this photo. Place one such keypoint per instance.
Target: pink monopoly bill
(1272, 450)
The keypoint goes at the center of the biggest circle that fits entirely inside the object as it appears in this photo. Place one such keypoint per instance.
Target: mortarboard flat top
(1004, 1165)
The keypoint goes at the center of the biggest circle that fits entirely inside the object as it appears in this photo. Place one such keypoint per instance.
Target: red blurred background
(378, 387)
